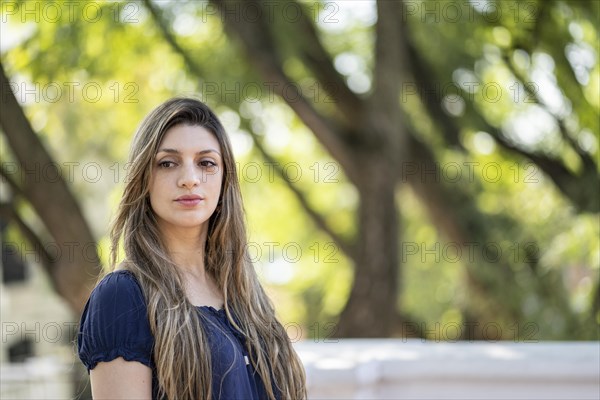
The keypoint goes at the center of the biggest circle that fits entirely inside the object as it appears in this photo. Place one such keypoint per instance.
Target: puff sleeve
(115, 324)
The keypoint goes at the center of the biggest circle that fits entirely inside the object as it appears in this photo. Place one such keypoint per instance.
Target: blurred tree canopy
(409, 168)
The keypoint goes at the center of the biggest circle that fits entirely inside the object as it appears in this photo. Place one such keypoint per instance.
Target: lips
(189, 200)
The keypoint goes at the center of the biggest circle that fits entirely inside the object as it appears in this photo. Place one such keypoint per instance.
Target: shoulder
(115, 322)
(117, 296)
(118, 287)
(117, 283)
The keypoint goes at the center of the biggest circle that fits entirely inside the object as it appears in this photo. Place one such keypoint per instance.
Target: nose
(189, 177)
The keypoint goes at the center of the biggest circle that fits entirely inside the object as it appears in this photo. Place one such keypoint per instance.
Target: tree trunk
(70, 255)
(371, 307)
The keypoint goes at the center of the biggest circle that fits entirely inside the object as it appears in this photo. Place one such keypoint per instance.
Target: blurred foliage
(124, 53)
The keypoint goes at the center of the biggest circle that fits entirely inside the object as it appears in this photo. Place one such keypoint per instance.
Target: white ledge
(413, 369)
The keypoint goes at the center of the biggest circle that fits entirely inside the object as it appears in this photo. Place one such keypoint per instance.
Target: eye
(166, 164)
(208, 164)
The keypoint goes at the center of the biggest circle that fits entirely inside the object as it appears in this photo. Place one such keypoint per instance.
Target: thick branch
(389, 72)
(312, 52)
(458, 219)
(584, 196)
(16, 190)
(312, 213)
(534, 94)
(8, 213)
(432, 194)
(53, 202)
(429, 93)
(581, 189)
(454, 212)
(192, 65)
(561, 176)
(260, 48)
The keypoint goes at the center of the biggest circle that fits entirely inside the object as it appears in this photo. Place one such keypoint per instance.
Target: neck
(186, 248)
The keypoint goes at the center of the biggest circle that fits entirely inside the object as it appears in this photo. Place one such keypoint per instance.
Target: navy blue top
(115, 324)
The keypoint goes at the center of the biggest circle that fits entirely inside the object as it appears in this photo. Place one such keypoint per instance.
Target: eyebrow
(175, 151)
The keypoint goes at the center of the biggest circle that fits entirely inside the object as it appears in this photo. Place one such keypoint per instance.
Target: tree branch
(8, 213)
(314, 55)
(13, 185)
(454, 213)
(192, 65)
(559, 174)
(316, 217)
(260, 48)
(585, 157)
(430, 95)
(389, 72)
(53, 202)
(584, 196)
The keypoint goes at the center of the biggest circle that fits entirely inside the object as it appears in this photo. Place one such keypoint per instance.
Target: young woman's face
(187, 176)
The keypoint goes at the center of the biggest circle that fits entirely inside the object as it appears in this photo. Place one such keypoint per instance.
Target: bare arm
(120, 379)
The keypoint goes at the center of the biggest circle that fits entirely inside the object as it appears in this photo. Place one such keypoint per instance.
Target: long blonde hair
(181, 346)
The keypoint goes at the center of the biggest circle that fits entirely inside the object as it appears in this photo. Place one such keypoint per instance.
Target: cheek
(152, 197)
(159, 181)
(152, 189)
(216, 183)
(155, 193)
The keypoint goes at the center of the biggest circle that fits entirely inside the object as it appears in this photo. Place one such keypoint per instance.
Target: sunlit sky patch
(277, 128)
(241, 142)
(483, 143)
(545, 83)
(339, 15)
(532, 128)
(354, 68)
(348, 63)
(12, 34)
(279, 271)
(582, 58)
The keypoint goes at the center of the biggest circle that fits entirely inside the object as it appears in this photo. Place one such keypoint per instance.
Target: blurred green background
(412, 168)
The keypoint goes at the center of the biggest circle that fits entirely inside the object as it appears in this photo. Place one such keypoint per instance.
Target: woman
(184, 315)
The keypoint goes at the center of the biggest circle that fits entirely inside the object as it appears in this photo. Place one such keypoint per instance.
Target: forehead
(189, 138)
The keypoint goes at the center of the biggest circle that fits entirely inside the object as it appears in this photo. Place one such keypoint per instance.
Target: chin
(190, 223)
(187, 222)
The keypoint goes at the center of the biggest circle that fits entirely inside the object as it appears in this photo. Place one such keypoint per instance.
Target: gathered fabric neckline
(211, 308)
